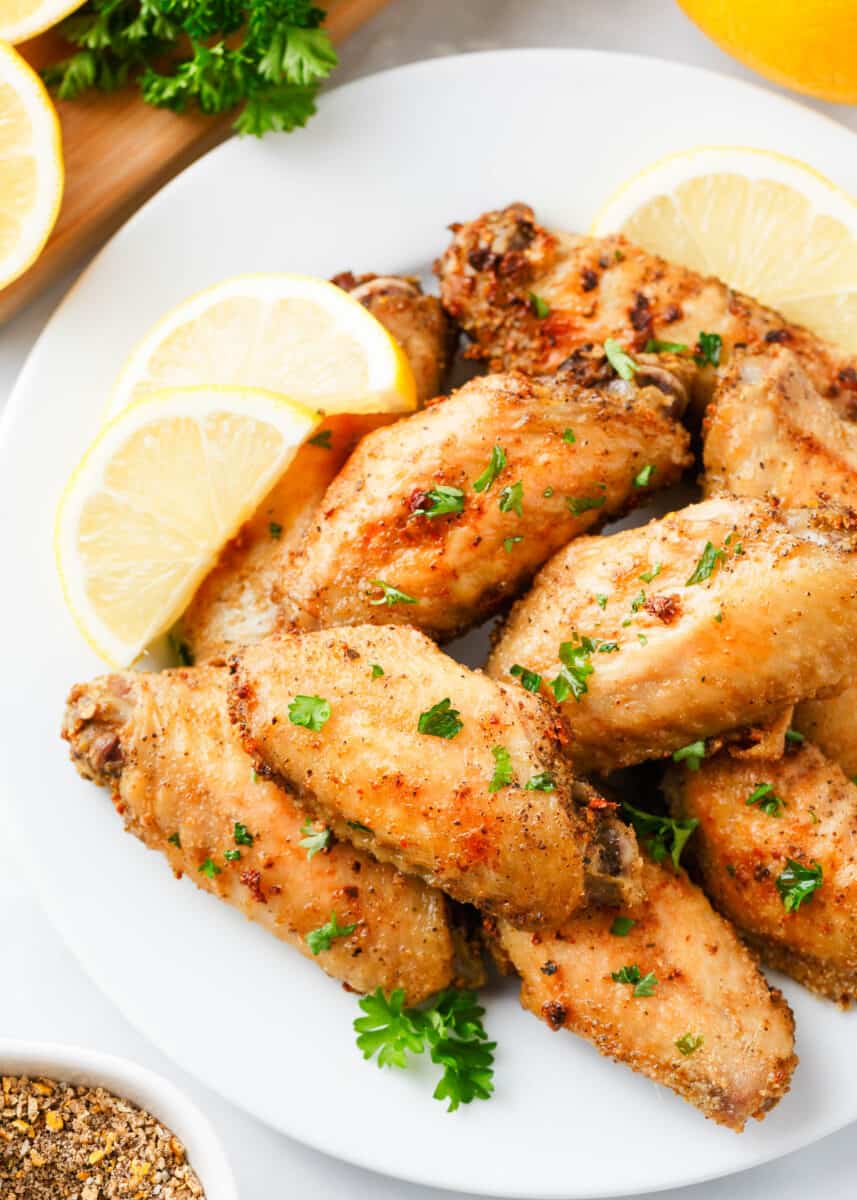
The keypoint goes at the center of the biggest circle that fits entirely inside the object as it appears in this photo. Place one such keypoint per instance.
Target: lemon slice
(160, 491)
(31, 169)
(22, 19)
(768, 225)
(298, 336)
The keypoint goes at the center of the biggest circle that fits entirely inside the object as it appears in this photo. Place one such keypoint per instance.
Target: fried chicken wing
(715, 617)
(707, 1026)
(432, 767)
(456, 507)
(184, 785)
(598, 288)
(239, 600)
(755, 819)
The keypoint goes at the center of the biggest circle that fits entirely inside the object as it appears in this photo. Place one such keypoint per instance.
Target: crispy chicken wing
(239, 600)
(708, 1026)
(807, 816)
(432, 767)
(181, 780)
(712, 618)
(597, 288)
(515, 467)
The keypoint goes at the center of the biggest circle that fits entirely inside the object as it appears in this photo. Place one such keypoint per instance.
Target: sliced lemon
(31, 168)
(302, 337)
(767, 225)
(22, 19)
(154, 499)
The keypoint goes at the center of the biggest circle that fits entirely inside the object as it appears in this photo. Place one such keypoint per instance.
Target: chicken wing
(456, 507)
(239, 600)
(831, 725)
(589, 289)
(700, 1017)
(717, 616)
(776, 849)
(433, 767)
(165, 745)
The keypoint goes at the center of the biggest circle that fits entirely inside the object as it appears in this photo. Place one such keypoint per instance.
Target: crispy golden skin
(460, 567)
(741, 850)
(775, 622)
(708, 987)
(769, 432)
(239, 601)
(831, 725)
(422, 801)
(165, 745)
(605, 287)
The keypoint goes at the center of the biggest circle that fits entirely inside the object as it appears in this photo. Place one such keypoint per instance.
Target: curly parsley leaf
(661, 835)
(798, 883)
(441, 500)
(242, 835)
(441, 720)
(314, 840)
(324, 937)
(644, 985)
(503, 773)
(530, 680)
(543, 782)
(312, 712)
(708, 349)
(689, 1043)
(575, 669)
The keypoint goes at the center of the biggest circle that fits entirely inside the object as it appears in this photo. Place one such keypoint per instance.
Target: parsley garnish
(575, 670)
(496, 463)
(689, 1043)
(794, 736)
(242, 836)
(232, 855)
(314, 839)
(540, 307)
(175, 840)
(692, 754)
(323, 937)
(643, 478)
(798, 883)
(767, 799)
(642, 639)
(503, 774)
(391, 595)
(441, 720)
(510, 543)
(312, 712)
(322, 439)
(661, 835)
(442, 500)
(622, 926)
(377, 670)
(709, 346)
(547, 493)
(543, 782)
(582, 504)
(268, 56)
(450, 1027)
(651, 574)
(568, 436)
(209, 868)
(644, 985)
(620, 360)
(512, 498)
(656, 346)
(638, 601)
(708, 560)
(275, 529)
(530, 680)
(600, 599)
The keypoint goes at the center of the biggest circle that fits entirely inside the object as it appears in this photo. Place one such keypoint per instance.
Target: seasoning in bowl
(59, 1141)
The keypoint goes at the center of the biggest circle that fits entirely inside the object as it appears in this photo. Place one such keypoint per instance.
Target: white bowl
(75, 1064)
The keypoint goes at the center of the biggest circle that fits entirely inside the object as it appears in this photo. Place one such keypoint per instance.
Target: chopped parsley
(209, 868)
(689, 1043)
(661, 835)
(312, 712)
(644, 985)
(581, 504)
(232, 855)
(503, 773)
(441, 720)
(642, 639)
(638, 601)
(601, 599)
(275, 529)
(314, 840)
(322, 439)
(391, 595)
(547, 493)
(708, 560)
(442, 500)
(543, 782)
(450, 1027)
(568, 436)
(656, 346)
(794, 736)
(622, 926)
(530, 680)
(241, 835)
(512, 498)
(798, 883)
(377, 670)
(708, 349)
(540, 307)
(692, 754)
(767, 799)
(620, 360)
(175, 840)
(323, 937)
(644, 478)
(652, 573)
(496, 463)
(510, 543)
(575, 669)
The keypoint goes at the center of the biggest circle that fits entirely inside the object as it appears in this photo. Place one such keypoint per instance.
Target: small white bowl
(75, 1064)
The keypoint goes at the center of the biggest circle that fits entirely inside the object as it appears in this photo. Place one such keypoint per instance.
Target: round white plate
(372, 183)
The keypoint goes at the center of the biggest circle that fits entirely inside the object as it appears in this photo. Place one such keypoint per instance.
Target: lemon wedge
(31, 167)
(300, 337)
(767, 225)
(154, 499)
(22, 19)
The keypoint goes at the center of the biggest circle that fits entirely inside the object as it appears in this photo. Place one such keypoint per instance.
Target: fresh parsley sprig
(661, 835)
(450, 1027)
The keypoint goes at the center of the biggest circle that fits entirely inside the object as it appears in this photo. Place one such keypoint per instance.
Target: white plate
(371, 185)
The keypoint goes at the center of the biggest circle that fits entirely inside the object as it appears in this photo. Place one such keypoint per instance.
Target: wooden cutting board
(119, 151)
